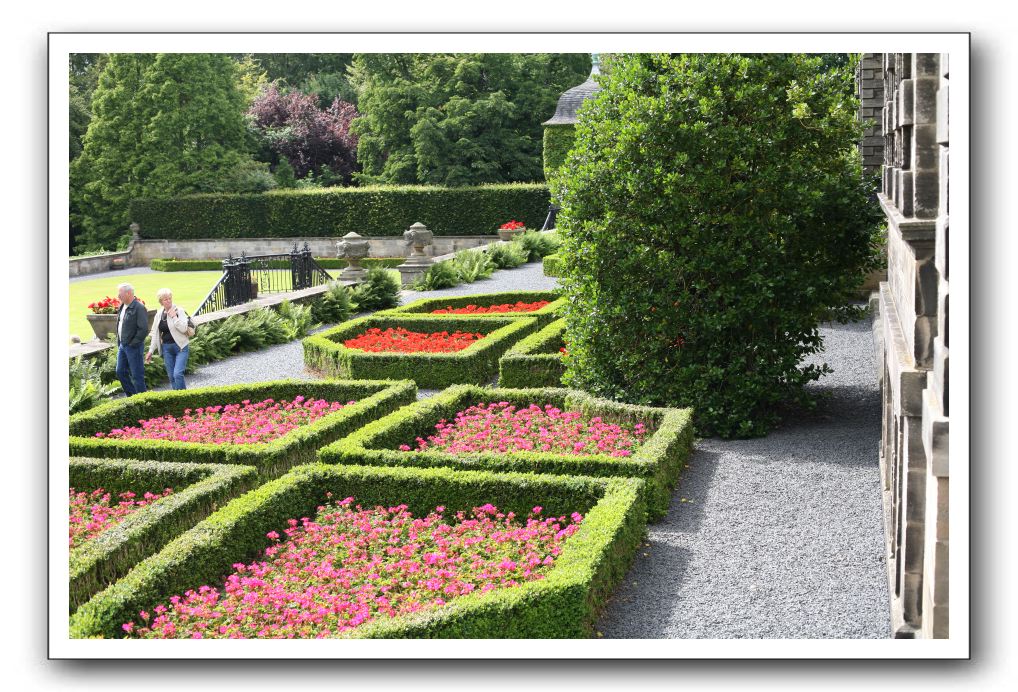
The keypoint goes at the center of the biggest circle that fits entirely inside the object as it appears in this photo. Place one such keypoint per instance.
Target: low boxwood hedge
(552, 265)
(535, 361)
(424, 306)
(374, 399)
(476, 364)
(658, 460)
(198, 490)
(563, 604)
(175, 265)
(384, 210)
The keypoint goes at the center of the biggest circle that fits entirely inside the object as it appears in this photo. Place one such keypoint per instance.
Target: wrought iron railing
(245, 277)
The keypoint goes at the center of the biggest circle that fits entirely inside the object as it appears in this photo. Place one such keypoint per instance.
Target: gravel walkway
(780, 537)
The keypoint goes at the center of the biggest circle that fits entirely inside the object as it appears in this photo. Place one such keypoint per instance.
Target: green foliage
(379, 291)
(371, 211)
(558, 140)
(298, 320)
(373, 398)
(198, 490)
(658, 461)
(285, 177)
(439, 275)
(477, 364)
(247, 176)
(86, 386)
(535, 361)
(563, 604)
(162, 124)
(508, 255)
(457, 118)
(538, 244)
(472, 265)
(714, 212)
(552, 265)
(334, 306)
(175, 265)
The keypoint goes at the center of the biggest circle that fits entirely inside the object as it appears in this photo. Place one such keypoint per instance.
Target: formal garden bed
(552, 265)
(150, 503)
(155, 440)
(476, 305)
(477, 363)
(536, 361)
(561, 600)
(664, 437)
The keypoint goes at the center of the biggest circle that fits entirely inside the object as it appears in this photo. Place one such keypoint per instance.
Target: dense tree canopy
(457, 119)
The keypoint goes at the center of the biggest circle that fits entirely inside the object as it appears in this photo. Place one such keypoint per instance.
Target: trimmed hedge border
(564, 604)
(374, 399)
(535, 361)
(424, 306)
(552, 265)
(658, 461)
(371, 211)
(198, 490)
(476, 364)
(175, 265)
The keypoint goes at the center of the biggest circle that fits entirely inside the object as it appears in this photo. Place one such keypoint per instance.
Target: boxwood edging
(545, 315)
(534, 361)
(552, 265)
(476, 364)
(658, 461)
(564, 604)
(175, 265)
(374, 398)
(198, 490)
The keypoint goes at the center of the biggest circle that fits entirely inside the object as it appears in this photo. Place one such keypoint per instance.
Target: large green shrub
(714, 214)
(370, 211)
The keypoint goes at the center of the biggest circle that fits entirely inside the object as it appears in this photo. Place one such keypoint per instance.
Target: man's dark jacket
(135, 324)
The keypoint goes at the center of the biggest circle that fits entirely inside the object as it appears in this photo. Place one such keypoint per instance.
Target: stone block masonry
(912, 334)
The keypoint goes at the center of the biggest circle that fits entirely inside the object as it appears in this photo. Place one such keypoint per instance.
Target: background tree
(714, 213)
(162, 124)
(308, 137)
(321, 74)
(457, 119)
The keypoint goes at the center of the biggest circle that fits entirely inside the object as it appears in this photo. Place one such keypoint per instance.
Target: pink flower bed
(501, 427)
(243, 423)
(94, 512)
(350, 565)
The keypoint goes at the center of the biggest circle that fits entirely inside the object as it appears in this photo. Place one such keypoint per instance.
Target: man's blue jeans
(175, 360)
(131, 368)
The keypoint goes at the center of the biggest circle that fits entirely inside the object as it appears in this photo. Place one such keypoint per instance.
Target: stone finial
(135, 230)
(353, 248)
(418, 236)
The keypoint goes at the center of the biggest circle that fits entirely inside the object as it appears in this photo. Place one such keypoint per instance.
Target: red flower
(519, 306)
(512, 225)
(400, 340)
(106, 306)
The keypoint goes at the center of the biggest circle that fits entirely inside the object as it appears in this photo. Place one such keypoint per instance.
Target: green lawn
(189, 289)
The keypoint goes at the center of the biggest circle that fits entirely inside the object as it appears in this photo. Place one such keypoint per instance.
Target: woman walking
(169, 337)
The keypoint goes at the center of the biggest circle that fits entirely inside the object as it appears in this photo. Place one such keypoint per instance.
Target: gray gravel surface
(779, 537)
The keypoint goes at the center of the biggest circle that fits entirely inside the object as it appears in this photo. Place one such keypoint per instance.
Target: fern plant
(538, 244)
(472, 265)
(335, 305)
(86, 388)
(508, 255)
(439, 275)
(297, 319)
(379, 290)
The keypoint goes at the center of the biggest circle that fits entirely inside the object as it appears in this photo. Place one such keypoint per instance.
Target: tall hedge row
(370, 211)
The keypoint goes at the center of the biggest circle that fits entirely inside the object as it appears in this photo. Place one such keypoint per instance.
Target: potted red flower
(510, 229)
(103, 317)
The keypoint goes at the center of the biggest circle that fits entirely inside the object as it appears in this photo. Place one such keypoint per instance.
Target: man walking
(132, 326)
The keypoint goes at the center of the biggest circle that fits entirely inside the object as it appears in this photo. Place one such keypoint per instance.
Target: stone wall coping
(912, 230)
(907, 382)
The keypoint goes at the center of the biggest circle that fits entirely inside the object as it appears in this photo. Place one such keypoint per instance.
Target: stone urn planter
(353, 248)
(509, 234)
(106, 325)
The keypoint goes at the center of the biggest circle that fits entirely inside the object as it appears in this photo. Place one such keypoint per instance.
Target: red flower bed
(92, 513)
(512, 225)
(243, 423)
(502, 427)
(480, 310)
(349, 566)
(401, 340)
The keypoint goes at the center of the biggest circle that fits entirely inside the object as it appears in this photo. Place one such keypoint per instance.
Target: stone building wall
(912, 337)
(869, 80)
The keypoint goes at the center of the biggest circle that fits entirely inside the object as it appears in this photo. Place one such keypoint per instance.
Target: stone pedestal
(418, 237)
(353, 248)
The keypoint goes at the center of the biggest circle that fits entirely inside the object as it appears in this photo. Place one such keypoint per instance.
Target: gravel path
(780, 537)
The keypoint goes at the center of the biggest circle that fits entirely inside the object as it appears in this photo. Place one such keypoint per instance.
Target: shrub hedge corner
(373, 399)
(476, 364)
(198, 490)
(552, 265)
(563, 604)
(658, 460)
(535, 361)
(425, 306)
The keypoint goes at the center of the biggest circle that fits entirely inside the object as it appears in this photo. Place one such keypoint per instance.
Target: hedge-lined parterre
(195, 265)
(477, 364)
(335, 211)
(373, 399)
(552, 265)
(535, 361)
(563, 604)
(426, 306)
(658, 459)
(198, 490)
